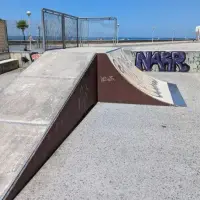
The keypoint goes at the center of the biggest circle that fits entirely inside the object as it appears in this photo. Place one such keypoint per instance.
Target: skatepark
(118, 146)
(104, 122)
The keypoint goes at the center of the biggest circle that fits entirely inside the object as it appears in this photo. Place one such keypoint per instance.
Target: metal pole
(173, 36)
(117, 33)
(29, 19)
(88, 32)
(63, 31)
(39, 36)
(115, 41)
(30, 32)
(44, 31)
(77, 32)
(153, 34)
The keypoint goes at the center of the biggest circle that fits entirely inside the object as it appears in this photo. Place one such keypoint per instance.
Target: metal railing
(61, 30)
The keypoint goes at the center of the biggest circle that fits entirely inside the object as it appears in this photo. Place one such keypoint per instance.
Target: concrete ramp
(38, 111)
(120, 81)
(40, 108)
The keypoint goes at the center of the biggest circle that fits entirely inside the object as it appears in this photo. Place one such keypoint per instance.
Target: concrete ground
(157, 46)
(118, 152)
(190, 46)
(7, 78)
(177, 45)
(129, 152)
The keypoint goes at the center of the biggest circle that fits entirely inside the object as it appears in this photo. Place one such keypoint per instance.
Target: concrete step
(8, 65)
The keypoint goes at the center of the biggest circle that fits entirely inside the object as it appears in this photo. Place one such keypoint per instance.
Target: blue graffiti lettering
(166, 61)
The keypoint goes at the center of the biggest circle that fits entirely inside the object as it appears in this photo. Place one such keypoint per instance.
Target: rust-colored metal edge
(81, 101)
(114, 88)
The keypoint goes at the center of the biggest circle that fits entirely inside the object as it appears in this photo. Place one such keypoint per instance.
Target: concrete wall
(179, 61)
(4, 56)
(22, 56)
(8, 65)
(3, 37)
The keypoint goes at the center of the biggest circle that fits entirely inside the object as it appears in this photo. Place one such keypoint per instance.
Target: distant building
(197, 30)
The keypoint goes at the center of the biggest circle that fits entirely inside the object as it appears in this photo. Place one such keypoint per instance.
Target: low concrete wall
(4, 56)
(169, 61)
(8, 65)
(25, 58)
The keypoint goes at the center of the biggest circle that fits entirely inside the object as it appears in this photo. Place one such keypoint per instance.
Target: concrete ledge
(4, 56)
(8, 65)
(23, 55)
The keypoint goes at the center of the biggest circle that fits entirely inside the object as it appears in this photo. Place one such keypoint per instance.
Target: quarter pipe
(121, 82)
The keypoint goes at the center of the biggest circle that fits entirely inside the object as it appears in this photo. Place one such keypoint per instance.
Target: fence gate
(3, 37)
(61, 30)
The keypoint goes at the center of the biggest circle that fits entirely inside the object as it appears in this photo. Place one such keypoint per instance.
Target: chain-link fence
(3, 37)
(94, 31)
(62, 30)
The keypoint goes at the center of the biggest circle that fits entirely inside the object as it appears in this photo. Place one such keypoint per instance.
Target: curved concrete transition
(120, 81)
(47, 101)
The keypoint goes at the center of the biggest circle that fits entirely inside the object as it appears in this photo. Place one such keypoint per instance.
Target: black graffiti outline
(156, 92)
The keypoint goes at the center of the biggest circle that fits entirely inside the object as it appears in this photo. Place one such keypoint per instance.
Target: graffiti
(149, 85)
(107, 79)
(34, 56)
(83, 97)
(166, 61)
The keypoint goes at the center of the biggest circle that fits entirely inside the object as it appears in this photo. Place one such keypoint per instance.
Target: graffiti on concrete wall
(34, 56)
(165, 61)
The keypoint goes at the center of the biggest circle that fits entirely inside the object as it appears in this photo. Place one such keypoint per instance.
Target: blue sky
(136, 17)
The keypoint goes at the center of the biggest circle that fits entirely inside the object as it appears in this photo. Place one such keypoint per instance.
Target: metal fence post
(44, 31)
(63, 31)
(77, 32)
(116, 32)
